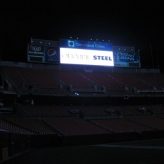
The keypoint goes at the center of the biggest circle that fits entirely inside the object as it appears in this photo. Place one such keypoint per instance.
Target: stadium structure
(75, 92)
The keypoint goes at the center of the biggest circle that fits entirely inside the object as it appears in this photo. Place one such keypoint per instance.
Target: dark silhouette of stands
(55, 106)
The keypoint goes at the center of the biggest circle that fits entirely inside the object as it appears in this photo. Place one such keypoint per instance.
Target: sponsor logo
(107, 58)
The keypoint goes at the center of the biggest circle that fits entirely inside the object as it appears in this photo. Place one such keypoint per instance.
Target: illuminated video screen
(86, 57)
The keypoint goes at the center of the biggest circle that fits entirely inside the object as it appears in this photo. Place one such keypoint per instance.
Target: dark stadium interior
(63, 113)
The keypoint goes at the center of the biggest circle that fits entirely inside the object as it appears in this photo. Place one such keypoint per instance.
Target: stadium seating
(121, 126)
(54, 80)
(9, 127)
(36, 126)
(74, 126)
(59, 102)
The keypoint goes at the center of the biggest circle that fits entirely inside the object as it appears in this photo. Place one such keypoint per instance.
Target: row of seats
(71, 126)
(8, 127)
(62, 79)
(89, 111)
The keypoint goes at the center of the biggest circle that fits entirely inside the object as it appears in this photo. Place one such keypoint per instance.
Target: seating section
(89, 120)
(9, 127)
(128, 110)
(33, 80)
(74, 126)
(89, 110)
(43, 111)
(53, 80)
(157, 110)
(131, 80)
(75, 79)
(150, 121)
(104, 79)
(153, 80)
(81, 119)
(76, 120)
(121, 126)
(35, 126)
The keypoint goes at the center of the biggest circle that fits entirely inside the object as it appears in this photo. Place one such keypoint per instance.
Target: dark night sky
(130, 24)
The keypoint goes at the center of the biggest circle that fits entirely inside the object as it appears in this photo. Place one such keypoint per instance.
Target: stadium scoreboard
(80, 52)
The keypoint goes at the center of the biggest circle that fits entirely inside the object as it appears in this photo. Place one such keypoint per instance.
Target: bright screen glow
(86, 57)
